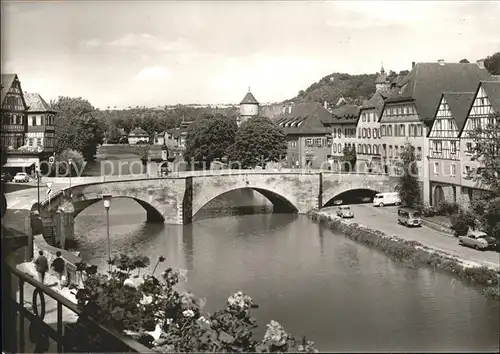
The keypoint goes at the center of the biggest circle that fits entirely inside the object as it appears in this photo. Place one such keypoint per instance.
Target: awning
(18, 164)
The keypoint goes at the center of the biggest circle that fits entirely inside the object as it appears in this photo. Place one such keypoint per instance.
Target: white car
(21, 177)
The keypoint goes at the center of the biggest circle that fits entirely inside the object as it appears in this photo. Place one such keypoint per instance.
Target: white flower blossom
(169, 321)
(146, 300)
(203, 320)
(188, 313)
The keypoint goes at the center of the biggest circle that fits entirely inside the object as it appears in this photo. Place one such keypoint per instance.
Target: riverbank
(413, 253)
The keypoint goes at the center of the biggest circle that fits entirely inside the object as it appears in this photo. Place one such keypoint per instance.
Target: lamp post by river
(106, 198)
(38, 188)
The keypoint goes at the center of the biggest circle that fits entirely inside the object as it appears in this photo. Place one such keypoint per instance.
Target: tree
(61, 167)
(408, 184)
(209, 138)
(78, 126)
(464, 61)
(257, 141)
(112, 134)
(150, 124)
(492, 64)
(349, 158)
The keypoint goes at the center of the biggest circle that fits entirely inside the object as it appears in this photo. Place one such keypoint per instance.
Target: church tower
(382, 82)
(249, 108)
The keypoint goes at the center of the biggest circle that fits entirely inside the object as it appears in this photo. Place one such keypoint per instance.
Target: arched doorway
(438, 195)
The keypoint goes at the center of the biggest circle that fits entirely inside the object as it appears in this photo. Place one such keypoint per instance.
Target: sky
(129, 53)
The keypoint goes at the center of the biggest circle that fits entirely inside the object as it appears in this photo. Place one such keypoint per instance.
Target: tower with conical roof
(382, 82)
(249, 107)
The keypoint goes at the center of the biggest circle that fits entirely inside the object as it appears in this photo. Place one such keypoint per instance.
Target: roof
(492, 89)
(249, 99)
(376, 102)
(459, 104)
(306, 118)
(346, 112)
(427, 81)
(7, 80)
(138, 131)
(36, 103)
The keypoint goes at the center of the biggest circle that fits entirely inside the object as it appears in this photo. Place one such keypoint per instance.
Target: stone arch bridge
(175, 200)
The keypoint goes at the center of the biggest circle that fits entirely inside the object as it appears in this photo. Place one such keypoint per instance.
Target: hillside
(354, 88)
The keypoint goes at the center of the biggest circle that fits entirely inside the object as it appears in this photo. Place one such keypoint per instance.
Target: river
(342, 295)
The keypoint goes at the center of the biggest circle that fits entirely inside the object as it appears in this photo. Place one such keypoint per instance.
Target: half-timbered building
(484, 111)
(408, 114)
(13, 112)
(444, 146)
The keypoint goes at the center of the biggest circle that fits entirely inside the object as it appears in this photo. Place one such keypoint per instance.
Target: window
(368, 133)
(359, 148)
(401, 130)
(39, 142)
(396, 131)
(363, 117)
(411, 130)
(364, 133)
(359, 132)
(396, 152)
(405, 110)
(436, 168)
(453, 147)
(329, 141)
(389, 130)
(467, 170)
(419, 130)
(390, 151)
(319, 142)
(39, 120)
(30, 142)
(419, 153)
(334, 148)
(469, 148)
(369, 149)
(339, 147)
(375, 133)
(368, 117)
(309, 142)
(453, 170)
(334, 133)
(383, 128)
(33, 120)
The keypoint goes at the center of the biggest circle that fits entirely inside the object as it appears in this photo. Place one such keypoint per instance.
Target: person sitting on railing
(42, 266)
(58, 265)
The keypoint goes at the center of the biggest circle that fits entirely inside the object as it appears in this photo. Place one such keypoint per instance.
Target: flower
(203, 320)
(169, 321)
(146, 300)
(240, 301)
(275, 334)
(188, 313)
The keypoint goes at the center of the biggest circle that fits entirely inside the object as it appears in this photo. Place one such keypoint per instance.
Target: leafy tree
(209, 138)
(112, 134)
(408, 184)
(78, 126)
(492, 63)
(61, 167)
(150, 124)
(464, 61)
(349, 158)
(257, 141)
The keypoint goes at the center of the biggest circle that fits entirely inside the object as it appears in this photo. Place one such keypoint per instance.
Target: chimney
(441, 61)
(480, 63)
(325, 104)
(412, 64)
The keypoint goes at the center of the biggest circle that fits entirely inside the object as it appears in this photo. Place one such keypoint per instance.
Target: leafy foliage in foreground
(409, 187)
(175, 321)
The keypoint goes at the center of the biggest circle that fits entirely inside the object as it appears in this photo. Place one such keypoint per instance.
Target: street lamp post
(38, 188)
(106, 198)
(70, 162)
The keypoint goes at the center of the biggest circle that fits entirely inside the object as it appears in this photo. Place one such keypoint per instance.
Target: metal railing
(68, 337)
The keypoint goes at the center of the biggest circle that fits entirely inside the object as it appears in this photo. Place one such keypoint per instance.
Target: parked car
(344, 211)
(409, 217)
(7, 177)
(21, 177)
(382, 199)
(478, 240)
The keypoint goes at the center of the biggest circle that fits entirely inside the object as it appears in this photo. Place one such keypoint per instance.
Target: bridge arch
(152, 214)
(281, 204)
(364, 187)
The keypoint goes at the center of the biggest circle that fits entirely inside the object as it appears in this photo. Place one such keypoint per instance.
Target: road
(384, 219)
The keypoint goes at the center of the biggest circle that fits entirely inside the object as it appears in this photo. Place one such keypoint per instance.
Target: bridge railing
(67, 337)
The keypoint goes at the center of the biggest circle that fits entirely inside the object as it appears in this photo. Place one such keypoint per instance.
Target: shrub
(447, 208)
(459, 225)
(114, 299)
(61, 166)
(427, 210)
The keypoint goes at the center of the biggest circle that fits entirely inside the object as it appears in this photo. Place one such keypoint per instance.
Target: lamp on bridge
(38, 175)
(106, 199)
